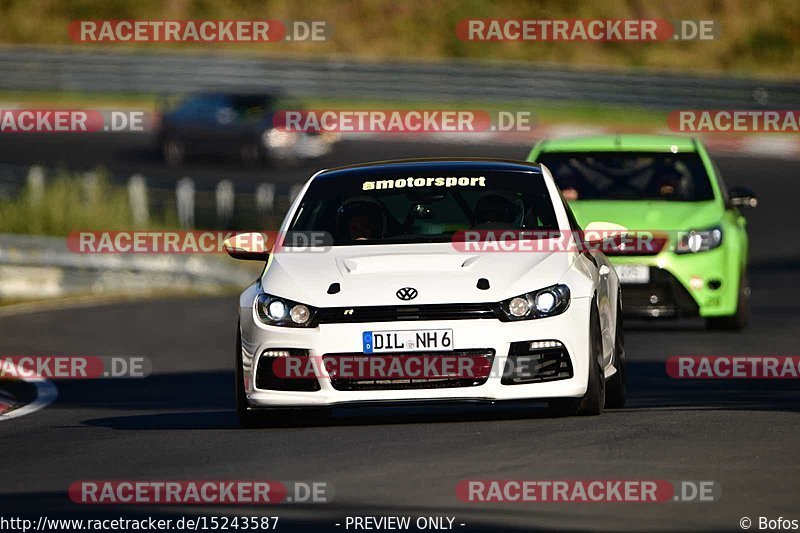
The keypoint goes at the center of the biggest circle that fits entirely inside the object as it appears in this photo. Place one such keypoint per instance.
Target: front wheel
(616, 387)
(251, 155)
(174, 151)
(739, 320)
(591, 403)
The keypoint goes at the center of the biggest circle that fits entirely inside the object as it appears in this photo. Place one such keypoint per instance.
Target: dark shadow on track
(203, 390)
(649, 387)
(203, 401)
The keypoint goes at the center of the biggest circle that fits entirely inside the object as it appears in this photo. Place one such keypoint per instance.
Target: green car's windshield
(393, 209)
(629, 176)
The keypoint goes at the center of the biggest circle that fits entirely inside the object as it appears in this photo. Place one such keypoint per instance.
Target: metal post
(226, 198)
(137, 196)
(184, 193)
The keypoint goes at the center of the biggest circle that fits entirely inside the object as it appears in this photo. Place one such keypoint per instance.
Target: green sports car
(667, 186)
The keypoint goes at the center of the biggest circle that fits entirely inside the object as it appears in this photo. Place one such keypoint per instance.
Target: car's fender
(607, 295)
(593, 276)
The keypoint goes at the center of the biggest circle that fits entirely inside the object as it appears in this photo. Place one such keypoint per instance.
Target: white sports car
(428, 281)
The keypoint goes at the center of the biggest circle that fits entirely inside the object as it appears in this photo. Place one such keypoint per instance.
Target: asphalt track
(179, 422)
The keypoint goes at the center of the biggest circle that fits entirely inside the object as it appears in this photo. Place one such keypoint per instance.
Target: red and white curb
(46, 393)
(7, 402)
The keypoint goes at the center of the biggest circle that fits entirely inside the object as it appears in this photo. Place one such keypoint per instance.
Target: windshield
(392, 209)
(629, 176)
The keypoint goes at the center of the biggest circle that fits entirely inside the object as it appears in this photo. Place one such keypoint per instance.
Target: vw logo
(407, 293)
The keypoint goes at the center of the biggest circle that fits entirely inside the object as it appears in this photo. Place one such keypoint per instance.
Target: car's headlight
(275, 311)
(694, 241)
(549, 301)
(279, 138)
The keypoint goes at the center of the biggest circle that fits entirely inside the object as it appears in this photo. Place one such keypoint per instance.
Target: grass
(754, 37)
(68, 203)
(68, 100)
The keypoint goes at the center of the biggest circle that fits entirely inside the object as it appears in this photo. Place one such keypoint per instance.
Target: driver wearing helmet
(496, 212)
(361, 219)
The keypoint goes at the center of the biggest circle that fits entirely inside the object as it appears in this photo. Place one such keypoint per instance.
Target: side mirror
(247, 246)
(596, 232)
(742, 197)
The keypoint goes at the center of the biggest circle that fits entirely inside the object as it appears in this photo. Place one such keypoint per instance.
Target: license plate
(633, 274)
(421, 340)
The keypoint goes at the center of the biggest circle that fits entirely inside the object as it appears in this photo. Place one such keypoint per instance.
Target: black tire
(283, 162)
(251, 155)
(739, 320)
(616, 386)
(591, 403)
(173, 150)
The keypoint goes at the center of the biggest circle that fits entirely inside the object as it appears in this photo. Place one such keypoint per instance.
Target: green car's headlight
(693, 241)
(276, 311)
(549, 301)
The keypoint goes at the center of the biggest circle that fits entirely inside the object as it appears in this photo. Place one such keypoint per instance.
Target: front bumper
(662, 297)
(570, 328)
(682, 285)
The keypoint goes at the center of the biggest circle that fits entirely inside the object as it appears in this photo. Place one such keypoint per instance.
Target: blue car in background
(237, 124)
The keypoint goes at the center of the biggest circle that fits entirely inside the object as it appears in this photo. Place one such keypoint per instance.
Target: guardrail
(223, 206)
(76, 69)
(36, 266)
